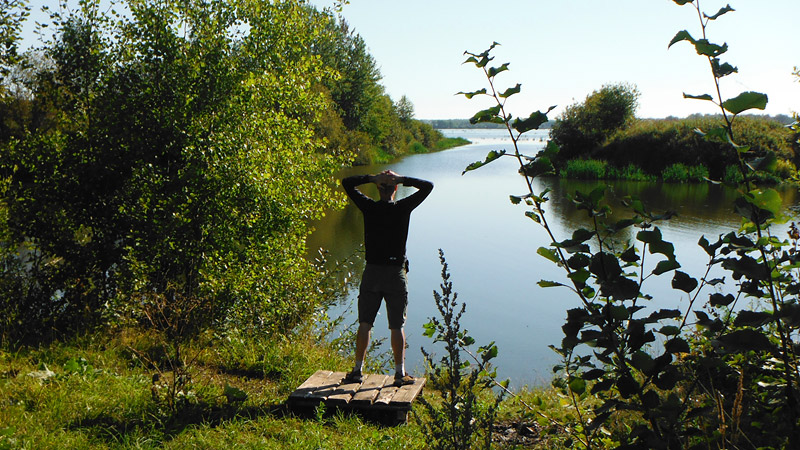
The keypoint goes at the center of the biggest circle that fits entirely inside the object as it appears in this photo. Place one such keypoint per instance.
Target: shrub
(584, 126)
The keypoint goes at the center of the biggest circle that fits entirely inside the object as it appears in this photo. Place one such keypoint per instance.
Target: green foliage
(364, 122)
(463, 419)
(585, 169)
(679, 173)
(584, 126)
(725, 367)
(654, 145)
(180, 162)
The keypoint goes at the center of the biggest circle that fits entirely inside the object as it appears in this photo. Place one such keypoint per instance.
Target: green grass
(99, 396)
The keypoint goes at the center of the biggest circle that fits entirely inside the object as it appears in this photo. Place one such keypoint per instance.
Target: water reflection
(491, 248)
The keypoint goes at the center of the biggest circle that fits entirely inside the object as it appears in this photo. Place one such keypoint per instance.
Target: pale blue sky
(562, 50)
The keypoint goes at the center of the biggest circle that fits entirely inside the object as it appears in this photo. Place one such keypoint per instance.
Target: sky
(561, 51)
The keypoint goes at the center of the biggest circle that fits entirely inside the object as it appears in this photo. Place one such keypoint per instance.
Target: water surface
(490, 247)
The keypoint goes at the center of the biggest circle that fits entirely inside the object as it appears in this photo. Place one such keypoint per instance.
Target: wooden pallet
(376, 393)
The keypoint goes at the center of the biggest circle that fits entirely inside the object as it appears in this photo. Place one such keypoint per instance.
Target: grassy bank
(674, 151)
(99, 392)
(378, 155)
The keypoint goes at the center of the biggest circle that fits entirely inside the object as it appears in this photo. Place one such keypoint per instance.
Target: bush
(584, 126)
(655, 145)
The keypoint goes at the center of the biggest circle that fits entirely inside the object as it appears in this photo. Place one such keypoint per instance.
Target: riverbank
(381, 156)
(104, 391)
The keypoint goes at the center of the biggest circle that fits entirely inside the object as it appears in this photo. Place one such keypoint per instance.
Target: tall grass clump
(585, 169)
(680, 173)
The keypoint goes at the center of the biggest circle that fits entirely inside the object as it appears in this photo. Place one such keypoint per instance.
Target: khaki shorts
(381, 282)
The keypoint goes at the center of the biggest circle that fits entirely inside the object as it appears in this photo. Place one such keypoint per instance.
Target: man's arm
(350, 185)
(424, 188)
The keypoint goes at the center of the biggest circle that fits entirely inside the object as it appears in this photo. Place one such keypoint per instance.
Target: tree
(182, 165)
(584, 126)
(405, 109)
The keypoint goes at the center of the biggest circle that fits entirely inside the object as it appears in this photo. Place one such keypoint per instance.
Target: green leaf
(469, 95)
(495, 70)
(681, 36)
(683, 282)
(546, 284)
(753, 319)
(746, 339)
(682, 2)
(577, 385)
(699, 97)
(669, 330)
(722, 11)
(511, 91)
(492, 156)
(487, 115)
(706, 48)
(718, 299)
(766, 163)
(666, 266)
(677, 345)
(533, 122)
(745, 101)
(642, 361)
(721, 70)
(549, 254)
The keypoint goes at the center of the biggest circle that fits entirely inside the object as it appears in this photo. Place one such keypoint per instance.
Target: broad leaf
(683, 282)
(495, 70)
(666, 266)
(699, 97)
(469, 95)
(511, 91)
(492, 156)
(745, 101)
(487, 115)
(533, 122)
(682, 2)
(546, 284)
(681, 36)
(706, 48)
(721, 70)
(549, 254)
(721, 11)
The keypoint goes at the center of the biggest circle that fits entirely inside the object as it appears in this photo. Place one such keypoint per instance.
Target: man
(385, 274)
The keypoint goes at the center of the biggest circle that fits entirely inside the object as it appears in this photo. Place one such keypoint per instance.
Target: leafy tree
(181, 165)
(584, 126)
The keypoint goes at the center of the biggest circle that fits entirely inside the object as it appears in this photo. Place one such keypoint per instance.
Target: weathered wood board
(376, 392)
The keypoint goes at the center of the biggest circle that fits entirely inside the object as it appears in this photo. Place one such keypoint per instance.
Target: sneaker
(353, 377)
(403, 380)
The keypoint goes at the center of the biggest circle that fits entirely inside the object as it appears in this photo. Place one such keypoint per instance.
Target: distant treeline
(441, 124)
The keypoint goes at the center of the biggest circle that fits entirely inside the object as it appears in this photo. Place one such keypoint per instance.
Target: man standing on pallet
(385, 275)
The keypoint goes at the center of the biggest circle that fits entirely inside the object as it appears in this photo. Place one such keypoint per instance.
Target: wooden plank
(386, 394)
(369, 390)
(330, 387)
(343, 393)
(314, 382)
(406, 394)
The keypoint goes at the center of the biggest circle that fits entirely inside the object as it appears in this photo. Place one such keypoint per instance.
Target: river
(490, 247)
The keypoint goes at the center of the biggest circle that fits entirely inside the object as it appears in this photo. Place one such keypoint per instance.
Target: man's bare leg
(398, 339)
(362, 342)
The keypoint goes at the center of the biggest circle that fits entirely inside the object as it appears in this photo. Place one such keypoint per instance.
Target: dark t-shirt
(386, 223)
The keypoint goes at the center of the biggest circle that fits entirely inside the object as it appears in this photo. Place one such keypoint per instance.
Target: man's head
(387, 191)
(387, 185)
